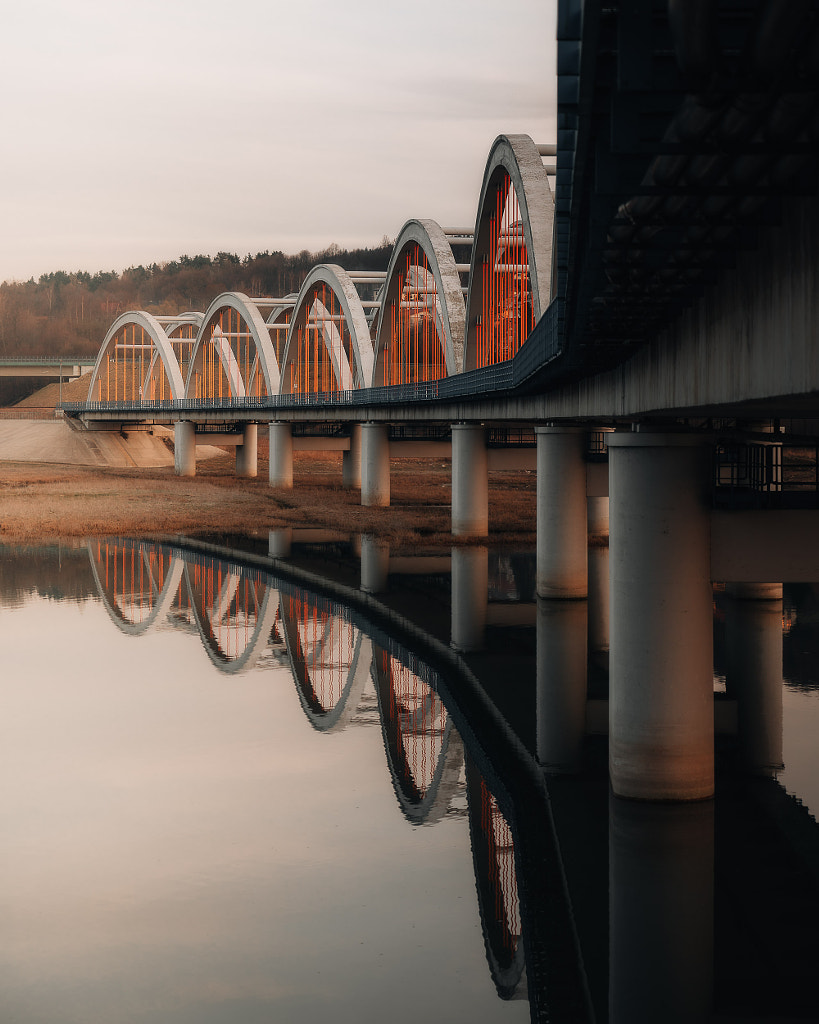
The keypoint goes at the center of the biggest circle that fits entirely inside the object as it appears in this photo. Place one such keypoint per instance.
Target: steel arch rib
(345, 291)
(520, 158)
(429, 236)
(161, 342)
(257, 327)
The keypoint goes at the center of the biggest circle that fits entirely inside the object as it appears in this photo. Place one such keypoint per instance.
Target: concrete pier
(280, 472)
(561, 669)
(184, 448)
(351, 459)
(661, 915)
(753, 672)
(661, 703)
(375, 465)
(375, 564)
(247, 452)
(470, 597)
(598, 516)
(280, 542)
(562, 540)
(470, 481)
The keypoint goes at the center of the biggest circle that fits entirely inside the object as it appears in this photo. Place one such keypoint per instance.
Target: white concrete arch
(349, 374)
(265, 359)
(172, 324)
(160, 343)
(162, 599)
(450, 309)
(286, 305)
(278, 323)
(519, 157)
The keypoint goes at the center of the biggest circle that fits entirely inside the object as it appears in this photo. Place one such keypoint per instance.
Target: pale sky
(136, 132)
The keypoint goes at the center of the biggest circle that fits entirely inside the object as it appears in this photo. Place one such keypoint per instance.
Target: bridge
(68, 367)
(649, 278)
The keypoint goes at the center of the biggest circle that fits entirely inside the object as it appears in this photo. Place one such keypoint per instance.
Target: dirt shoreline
(42, 501)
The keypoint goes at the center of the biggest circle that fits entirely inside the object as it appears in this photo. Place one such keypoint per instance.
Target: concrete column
(470, 597)
(280, 473)
(375, 564)
(597, 517)
(661, 917)
(753, 672)
(351, 459)
(247, 452)
(184, 448)
(279, 542)
(599, 598)
(661, 700)
(598, 573)
(561, 664)
(375, 465)
(470, 481)
(562, 541)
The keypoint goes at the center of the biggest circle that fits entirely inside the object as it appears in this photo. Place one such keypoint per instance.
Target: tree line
(66, 313)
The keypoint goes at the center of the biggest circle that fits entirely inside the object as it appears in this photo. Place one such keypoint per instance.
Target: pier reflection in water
(179, 848)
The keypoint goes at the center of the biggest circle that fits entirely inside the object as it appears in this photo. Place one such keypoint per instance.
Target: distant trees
(66, 313)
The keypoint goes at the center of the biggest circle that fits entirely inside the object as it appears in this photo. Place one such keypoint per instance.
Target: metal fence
(766, 475)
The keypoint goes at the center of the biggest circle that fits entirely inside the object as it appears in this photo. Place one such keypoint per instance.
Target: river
(242, 788)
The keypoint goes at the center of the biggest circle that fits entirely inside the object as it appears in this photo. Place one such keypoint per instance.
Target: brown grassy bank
(39, 501)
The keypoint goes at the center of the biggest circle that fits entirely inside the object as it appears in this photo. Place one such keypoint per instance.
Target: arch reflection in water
(238, 610)
(493, 852)
(137, 584)
(424, 752)
(329, 658)
(540, 852)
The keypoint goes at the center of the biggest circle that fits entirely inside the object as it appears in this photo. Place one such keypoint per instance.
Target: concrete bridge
(649, 278)
(62, 367)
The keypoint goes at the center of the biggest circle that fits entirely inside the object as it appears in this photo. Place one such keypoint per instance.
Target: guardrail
(765, 475)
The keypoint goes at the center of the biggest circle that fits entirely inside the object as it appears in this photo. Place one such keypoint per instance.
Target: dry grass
(39, 501)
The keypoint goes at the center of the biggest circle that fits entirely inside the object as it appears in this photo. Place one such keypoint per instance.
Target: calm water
(236, 795)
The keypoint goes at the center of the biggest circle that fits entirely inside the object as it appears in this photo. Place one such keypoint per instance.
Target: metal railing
(50, 361)
(766, 475)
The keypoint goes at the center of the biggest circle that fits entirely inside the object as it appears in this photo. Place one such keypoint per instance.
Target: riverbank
(40, 501)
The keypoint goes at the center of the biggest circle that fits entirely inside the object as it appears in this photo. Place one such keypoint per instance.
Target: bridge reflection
(339, 663)
(592, 907)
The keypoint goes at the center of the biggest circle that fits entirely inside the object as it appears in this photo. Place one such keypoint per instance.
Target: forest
(69, 313)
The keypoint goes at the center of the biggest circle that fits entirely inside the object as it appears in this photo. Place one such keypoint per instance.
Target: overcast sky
(136, 132)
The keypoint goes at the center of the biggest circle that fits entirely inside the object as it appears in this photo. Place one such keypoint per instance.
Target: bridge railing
(50, 361)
